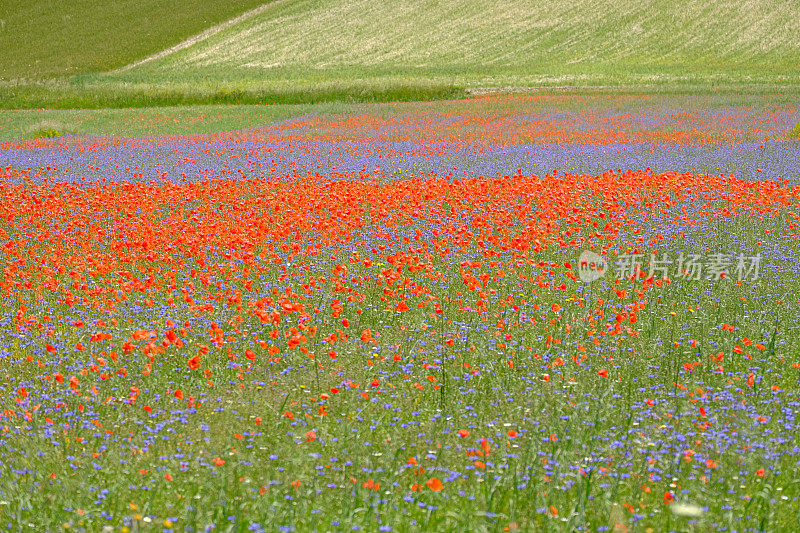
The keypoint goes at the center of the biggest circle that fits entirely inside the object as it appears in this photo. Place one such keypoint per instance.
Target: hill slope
(308, 51)
(591, 41)
(48, 38)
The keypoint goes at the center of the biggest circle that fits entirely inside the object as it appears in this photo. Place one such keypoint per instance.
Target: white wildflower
(688, 510)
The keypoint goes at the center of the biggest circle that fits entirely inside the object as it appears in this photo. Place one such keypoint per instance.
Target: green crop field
(49, 38)
(559, 42)
(307, 51)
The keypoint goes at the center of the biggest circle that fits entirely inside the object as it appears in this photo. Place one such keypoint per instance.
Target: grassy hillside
(48, 38)
(307, 51)
(562, 41)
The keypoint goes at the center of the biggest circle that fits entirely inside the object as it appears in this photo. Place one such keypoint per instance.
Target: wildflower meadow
(503, 313)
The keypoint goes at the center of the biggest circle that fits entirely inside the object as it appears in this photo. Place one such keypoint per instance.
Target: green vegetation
(135, 122)
(308, 51)
(89, 95)
(52, 38)
(47, 133)
(18, 124)
(553, 43)
(794, 133)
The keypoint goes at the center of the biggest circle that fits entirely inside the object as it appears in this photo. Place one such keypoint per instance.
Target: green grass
(44, 130)
(19, 124)
(307, 51)
(180, 120)
(54, 38)
(97, 94)
(46, 134)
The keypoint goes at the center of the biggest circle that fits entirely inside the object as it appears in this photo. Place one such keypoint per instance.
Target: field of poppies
(381, 322)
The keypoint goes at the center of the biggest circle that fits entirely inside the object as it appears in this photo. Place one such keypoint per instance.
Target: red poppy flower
(434, 484)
